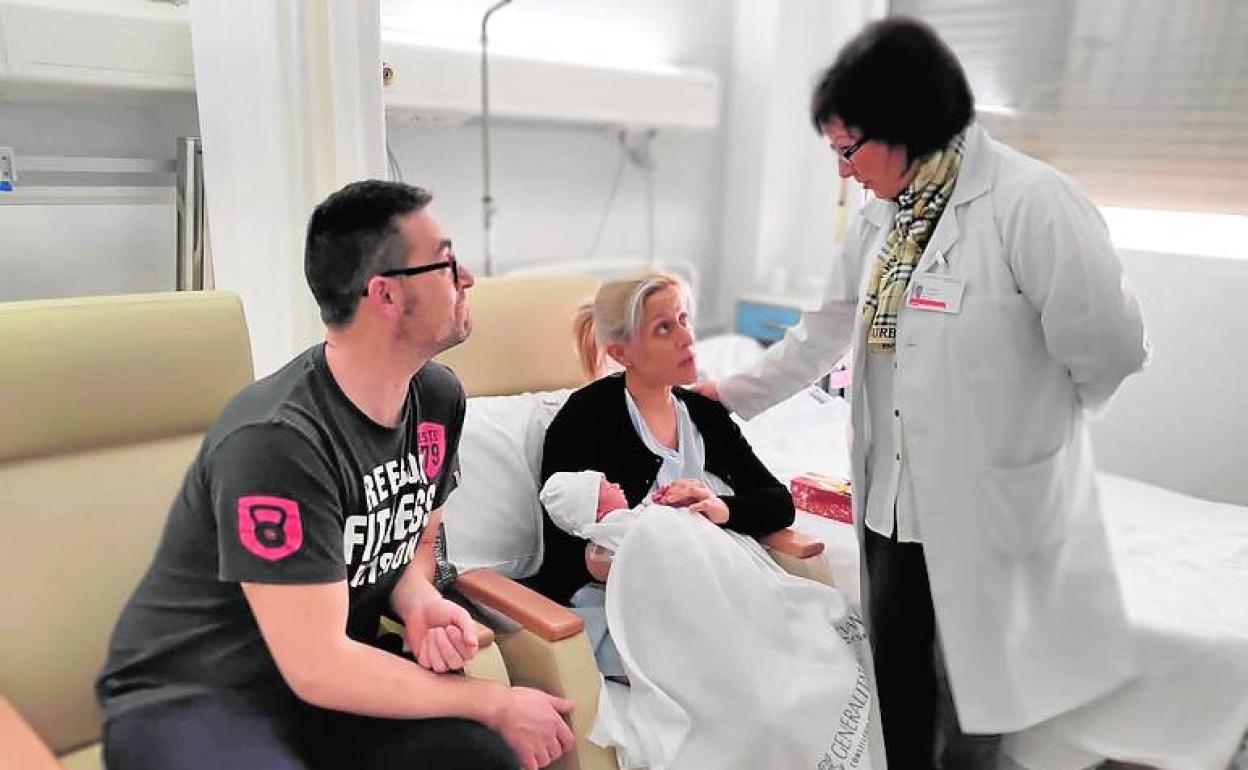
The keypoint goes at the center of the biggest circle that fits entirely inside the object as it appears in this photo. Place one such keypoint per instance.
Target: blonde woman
(643, 430)
(689, 572)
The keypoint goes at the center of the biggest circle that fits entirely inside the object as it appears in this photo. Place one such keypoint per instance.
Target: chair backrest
(521, 335)
(103, 403)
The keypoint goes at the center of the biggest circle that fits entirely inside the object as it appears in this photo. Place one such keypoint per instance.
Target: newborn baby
(588, 505)
(610, 496)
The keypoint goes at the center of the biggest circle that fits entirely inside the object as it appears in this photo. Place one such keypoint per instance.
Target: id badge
(935, 292)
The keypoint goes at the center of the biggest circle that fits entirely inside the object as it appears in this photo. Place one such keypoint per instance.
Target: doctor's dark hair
(352, 236)
(896, 82)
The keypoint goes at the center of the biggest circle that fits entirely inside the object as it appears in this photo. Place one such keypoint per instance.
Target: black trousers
(920, 726)
(229, 730)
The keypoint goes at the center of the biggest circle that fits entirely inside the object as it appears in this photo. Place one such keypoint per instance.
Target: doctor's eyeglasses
(450, 262)
(847, 153)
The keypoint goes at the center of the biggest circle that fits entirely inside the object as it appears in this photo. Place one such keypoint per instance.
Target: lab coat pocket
(1028, 505)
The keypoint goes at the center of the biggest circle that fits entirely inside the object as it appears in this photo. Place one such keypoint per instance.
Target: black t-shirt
(293, 484)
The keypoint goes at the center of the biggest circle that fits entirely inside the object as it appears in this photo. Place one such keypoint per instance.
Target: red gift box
(824, 496)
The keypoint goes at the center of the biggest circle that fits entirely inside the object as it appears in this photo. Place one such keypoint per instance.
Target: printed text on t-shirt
(399, 497)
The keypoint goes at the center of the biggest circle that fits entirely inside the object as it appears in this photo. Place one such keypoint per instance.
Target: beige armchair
(103, 403)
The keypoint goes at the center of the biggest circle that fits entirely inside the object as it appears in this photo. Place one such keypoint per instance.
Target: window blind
(1144, 102)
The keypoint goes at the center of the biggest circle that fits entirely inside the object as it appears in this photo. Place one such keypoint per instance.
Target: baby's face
(610, 497)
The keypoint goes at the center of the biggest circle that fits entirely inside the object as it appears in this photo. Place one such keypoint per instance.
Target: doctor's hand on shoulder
(706, 388)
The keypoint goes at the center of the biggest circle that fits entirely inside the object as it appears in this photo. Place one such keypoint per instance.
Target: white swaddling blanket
(733, 662)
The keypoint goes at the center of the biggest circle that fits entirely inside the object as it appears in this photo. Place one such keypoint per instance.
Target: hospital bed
(1183, 565)
(1182, 560)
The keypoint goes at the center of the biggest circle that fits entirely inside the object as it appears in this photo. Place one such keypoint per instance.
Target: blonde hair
(615, 314)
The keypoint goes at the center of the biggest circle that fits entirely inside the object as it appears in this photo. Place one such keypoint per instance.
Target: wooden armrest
(23, 749)
(549, 620)
(793, 543)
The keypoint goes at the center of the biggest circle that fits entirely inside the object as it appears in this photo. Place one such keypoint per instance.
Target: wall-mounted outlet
(7, 174)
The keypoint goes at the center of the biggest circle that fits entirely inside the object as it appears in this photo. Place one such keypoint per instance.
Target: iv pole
(487, 201)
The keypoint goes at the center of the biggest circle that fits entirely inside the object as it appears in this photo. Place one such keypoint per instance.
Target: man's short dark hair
(352, 236)
(896, 82)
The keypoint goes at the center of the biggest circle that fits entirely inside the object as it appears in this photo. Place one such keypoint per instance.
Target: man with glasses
(312, 508)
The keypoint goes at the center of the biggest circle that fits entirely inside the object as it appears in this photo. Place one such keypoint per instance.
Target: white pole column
(290, 109)
(781, 187)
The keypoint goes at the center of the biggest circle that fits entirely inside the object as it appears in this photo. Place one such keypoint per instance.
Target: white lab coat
(993, 402)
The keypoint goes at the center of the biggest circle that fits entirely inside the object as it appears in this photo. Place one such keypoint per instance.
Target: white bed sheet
(1183, 563)
(809, 433)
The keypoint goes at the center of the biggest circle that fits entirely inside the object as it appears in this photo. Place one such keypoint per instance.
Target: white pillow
(493, 519)
(723, 355)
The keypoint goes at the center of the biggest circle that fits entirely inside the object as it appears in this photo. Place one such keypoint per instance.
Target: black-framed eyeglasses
(847, 153)
(450, 262)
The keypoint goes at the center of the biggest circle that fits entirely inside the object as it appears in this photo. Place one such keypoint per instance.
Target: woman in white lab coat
(988, 317)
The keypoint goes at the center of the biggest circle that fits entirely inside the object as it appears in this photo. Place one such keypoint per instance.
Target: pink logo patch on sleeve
(269, 527)
(431, 443)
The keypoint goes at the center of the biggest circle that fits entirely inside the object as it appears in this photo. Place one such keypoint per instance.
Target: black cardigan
(593, 431)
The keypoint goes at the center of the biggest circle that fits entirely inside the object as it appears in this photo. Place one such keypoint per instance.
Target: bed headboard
(521, 335)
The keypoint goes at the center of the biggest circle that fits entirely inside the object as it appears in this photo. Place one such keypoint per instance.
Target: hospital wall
(91, 233)
(551, 185)
(1181, 423)
(747, 201)
(552, 182)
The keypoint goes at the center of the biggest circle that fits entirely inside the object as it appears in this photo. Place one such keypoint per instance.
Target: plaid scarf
(918, 209)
